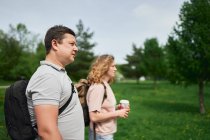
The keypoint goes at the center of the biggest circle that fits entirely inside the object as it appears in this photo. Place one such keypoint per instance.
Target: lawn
(169, 112)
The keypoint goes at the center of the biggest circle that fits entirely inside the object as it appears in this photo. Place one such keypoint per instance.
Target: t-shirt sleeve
(95, 97)
(46, 90)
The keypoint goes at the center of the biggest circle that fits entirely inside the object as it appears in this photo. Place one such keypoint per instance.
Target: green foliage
(40, 52)
(189, 47)
(79, 68)
(154, 59)
(20, 53)
(192, 36)
(148, 61)
(135, 66)
(10, 52)
(16, 53)
(26, 66)
(172, 48)
(27, 39)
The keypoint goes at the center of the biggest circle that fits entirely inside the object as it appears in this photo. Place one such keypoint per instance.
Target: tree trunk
(201, 96)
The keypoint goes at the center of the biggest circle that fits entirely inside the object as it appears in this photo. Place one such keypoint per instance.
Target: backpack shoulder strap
(67, 103)
(105, 92)
(94, 124)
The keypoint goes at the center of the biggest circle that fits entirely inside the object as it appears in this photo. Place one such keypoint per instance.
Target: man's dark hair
(56, 32)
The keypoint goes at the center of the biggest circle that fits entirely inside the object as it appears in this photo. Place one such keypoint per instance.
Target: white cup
(124, 103)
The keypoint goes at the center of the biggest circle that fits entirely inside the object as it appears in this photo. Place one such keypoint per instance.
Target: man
(50, 87)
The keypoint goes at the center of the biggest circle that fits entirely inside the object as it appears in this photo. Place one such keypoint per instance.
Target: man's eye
(73, 44)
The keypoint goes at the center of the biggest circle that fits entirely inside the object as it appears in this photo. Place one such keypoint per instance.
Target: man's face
(67, 49)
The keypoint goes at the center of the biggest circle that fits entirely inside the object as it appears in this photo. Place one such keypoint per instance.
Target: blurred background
(162, 51)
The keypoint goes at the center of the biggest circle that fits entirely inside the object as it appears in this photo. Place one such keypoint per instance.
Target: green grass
(168, 112)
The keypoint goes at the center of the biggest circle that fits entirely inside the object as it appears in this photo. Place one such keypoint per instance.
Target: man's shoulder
(45, 69)
(44, 72)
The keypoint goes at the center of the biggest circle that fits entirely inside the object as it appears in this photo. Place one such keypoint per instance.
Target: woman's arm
(96, 116)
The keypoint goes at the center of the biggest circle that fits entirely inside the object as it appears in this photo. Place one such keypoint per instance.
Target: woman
(101, 100)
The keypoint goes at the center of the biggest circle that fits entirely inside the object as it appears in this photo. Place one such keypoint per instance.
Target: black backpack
(17, 118)
(82, 88)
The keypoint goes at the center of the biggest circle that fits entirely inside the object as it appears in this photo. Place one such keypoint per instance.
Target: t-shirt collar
(59, 68)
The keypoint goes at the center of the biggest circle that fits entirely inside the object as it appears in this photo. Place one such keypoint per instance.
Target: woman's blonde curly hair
(99, 68)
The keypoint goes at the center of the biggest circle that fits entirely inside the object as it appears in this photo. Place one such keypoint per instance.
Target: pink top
(94, 100)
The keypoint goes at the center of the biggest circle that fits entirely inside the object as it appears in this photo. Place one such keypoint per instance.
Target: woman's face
(112, 70)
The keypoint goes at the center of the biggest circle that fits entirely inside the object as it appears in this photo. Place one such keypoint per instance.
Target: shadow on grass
(171, 106)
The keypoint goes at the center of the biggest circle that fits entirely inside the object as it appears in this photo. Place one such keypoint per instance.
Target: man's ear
(54, 44)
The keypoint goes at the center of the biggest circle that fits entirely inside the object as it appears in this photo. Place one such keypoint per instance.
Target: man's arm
(47, 117)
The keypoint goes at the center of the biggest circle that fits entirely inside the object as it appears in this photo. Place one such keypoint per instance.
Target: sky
(116, 24)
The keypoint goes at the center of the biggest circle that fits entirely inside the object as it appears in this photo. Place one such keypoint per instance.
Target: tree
(79, 69)
(192, 45)
(27, 39)
(171, 49)
(16, 52)
(154, 59)
(10, 52)
(40, 51)
(134, 67)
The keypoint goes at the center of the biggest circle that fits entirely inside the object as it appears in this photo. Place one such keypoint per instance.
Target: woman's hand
(123, 113)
